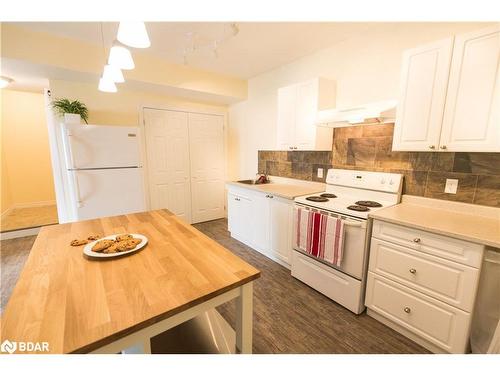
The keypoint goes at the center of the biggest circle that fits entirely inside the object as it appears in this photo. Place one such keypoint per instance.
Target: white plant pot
(72, 118)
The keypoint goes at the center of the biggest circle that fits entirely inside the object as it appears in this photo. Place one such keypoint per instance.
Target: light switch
(320, 172)
(451, 186)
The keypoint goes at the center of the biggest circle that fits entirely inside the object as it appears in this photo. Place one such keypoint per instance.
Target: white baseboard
(19, 233)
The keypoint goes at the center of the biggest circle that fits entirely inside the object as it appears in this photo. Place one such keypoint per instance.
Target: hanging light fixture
(133, 34)
(106, 85)
(5, 81)
(120, 56)
(113, 73)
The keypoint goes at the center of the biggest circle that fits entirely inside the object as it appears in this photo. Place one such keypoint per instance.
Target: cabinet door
(167, 146)
(260, 222)
(239, 213)
(287, 97)
(281, 222)
(206, 150)
(306, 108)
(424, 80)
(472, 113)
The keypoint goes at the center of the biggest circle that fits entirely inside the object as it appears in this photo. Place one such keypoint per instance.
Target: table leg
(244, 317)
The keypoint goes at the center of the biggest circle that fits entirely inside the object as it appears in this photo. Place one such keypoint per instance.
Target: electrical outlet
(320, 172)
(451, 186)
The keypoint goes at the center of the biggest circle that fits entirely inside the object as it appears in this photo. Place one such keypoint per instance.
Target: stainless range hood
(368, 114)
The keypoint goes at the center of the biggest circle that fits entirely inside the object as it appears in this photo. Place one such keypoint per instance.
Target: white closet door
(472, 114)
(206, 145)
(167, 144)
(424, 80)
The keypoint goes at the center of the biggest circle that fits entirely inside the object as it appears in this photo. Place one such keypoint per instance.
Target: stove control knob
(391, 182)
(382, 181)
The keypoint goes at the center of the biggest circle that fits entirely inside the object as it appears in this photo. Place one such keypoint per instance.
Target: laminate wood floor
(289, 316)
(29, 217)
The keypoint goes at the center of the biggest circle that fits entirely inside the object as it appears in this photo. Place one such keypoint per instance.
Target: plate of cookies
(115, 245)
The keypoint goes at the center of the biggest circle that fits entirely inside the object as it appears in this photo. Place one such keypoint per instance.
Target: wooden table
(79, 305)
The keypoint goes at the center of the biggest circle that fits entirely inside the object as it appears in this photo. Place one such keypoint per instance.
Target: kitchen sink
(252, 182)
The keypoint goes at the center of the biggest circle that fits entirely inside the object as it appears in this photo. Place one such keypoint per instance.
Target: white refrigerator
(103, 169)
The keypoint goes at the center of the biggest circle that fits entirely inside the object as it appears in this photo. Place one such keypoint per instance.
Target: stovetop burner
(328, 195)
(315, 198)
(355, 207)
(368, 204)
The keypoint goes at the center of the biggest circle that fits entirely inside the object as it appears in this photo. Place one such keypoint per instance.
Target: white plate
(87, 250)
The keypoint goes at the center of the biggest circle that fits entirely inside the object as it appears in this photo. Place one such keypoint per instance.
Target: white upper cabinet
(424, 79)
(472, 113)
(298, 105)
(450, 95)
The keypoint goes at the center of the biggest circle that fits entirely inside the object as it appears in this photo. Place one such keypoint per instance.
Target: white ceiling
(258, 47)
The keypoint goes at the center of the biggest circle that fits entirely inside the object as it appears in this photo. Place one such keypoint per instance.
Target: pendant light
(133, 34)
(120, 56)
(106, 85)
(113, 73)
(5, 81)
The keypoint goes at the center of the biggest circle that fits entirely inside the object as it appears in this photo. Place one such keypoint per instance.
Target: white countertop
(284, 187)
(478, 224)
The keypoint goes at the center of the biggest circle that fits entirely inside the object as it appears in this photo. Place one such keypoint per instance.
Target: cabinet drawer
(442, 246)
(451, 282)
(435, 321)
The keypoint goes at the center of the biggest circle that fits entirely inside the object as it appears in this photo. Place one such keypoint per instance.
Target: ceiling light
(120, 56)
(5, 81)
(133, 34)
(113, 73)
(106, 85)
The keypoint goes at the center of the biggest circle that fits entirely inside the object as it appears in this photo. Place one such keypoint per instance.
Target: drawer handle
(413, 271)
(407, 310)
(416, 240)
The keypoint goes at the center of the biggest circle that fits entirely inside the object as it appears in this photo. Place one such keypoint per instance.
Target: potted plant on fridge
(72, 111)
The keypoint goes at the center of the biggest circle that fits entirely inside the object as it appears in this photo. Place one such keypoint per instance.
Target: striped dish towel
(319, 235)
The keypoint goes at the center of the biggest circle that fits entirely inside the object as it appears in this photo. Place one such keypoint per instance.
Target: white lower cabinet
(239, 212)
(262, 221)
(423, 285)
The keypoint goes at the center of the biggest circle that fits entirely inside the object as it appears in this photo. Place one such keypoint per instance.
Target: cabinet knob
(413, 271)
(443, 147)
(407, 310)
(416, 240)
(432, 147)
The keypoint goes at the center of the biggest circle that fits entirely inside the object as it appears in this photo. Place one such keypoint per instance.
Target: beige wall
(122, 107)
(365, 67)
(26, 169)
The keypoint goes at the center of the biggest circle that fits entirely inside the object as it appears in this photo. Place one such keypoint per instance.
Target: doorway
(28, 198)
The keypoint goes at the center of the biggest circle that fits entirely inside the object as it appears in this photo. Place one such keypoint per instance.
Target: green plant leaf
(62, 106)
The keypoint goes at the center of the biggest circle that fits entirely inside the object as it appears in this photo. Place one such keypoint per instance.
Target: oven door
(355, 247)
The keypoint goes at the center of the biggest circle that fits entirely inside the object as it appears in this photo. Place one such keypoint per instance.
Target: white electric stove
(351, 196)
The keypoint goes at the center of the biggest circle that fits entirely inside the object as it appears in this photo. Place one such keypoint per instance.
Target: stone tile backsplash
(369, 148)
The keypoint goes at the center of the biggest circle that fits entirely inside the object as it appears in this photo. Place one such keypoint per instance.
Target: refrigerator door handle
(79, 202)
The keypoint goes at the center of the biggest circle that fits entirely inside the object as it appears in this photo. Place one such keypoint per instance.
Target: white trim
(19, 233)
